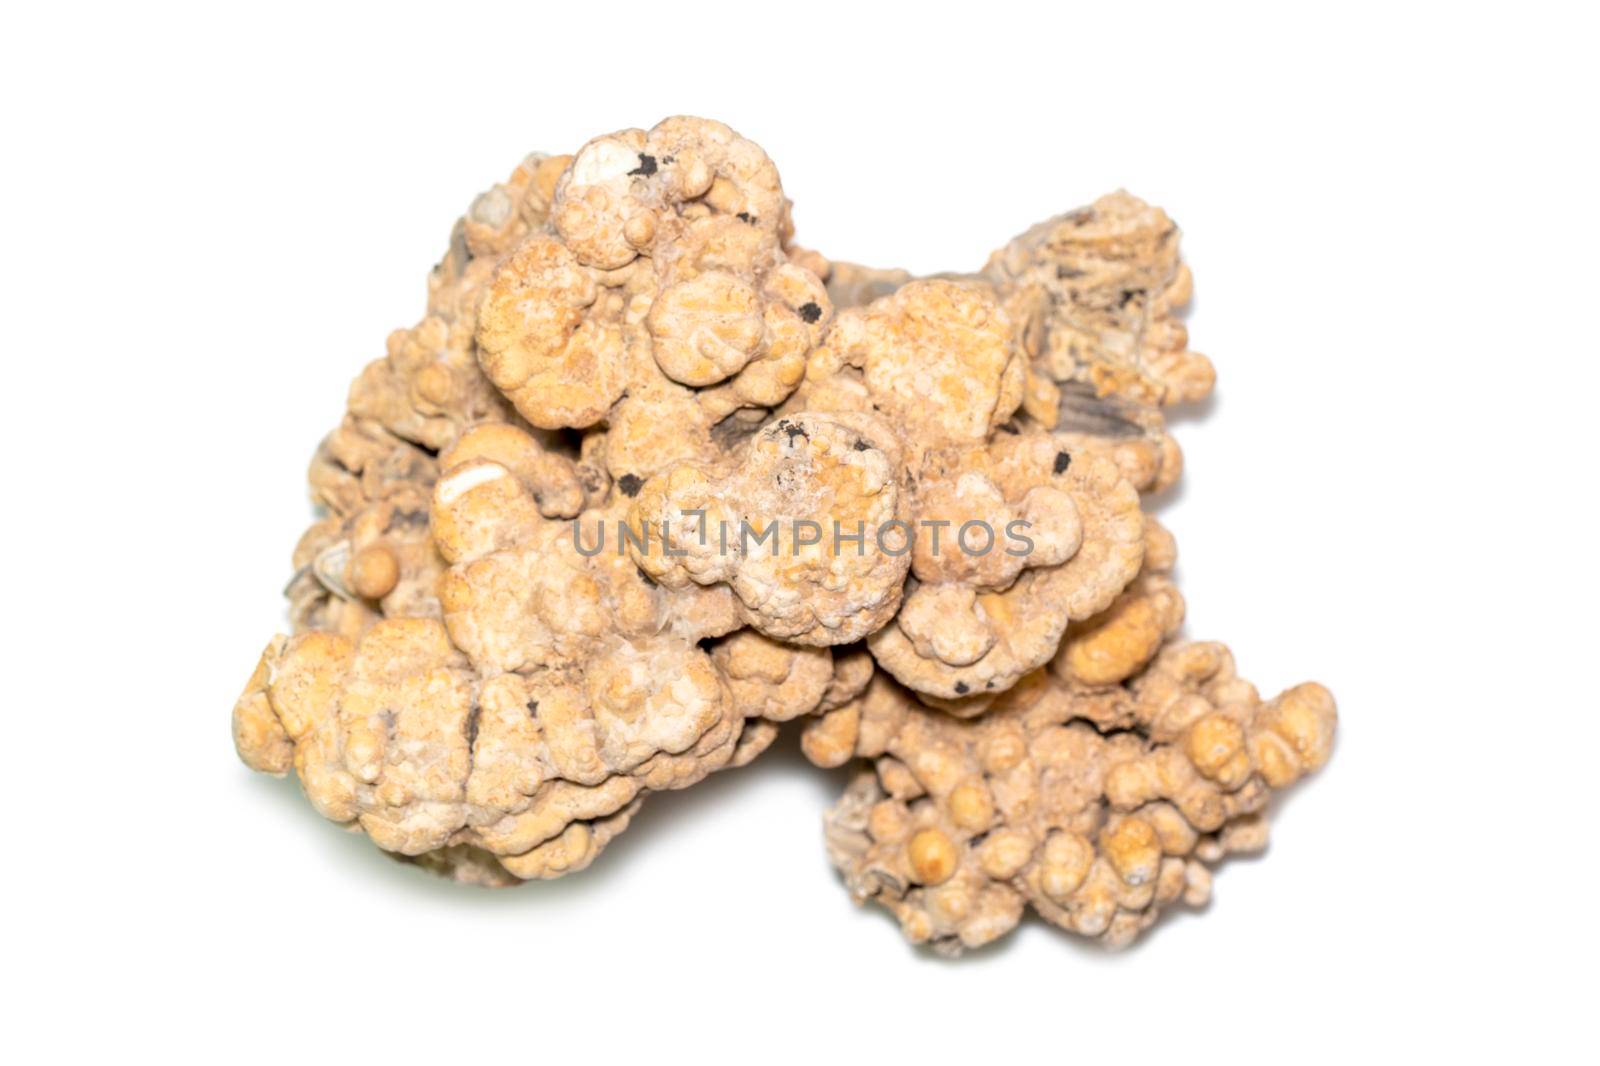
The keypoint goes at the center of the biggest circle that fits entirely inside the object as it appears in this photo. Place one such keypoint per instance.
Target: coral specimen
(649, 479)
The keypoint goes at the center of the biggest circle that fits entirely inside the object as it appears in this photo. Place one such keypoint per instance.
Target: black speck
(810, 311)
(961, 688)
(793, 430)
(745, 216)
(646, 167)
(533, 708)
(1063, 460)
(470, 726)
(989, 683)
(630, 484)
(1009, 427)
(1129, 295)
(862, 445)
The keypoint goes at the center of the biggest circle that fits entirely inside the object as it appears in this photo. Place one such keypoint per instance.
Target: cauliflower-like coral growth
(648, 480)
(936, 357)
(1033, 539)
(1094, 807)
(775, 528)
(660, 299)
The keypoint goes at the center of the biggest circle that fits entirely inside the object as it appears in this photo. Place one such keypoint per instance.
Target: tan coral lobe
(1096, 807)
(550, 338)
(647, 479)
(772, 526)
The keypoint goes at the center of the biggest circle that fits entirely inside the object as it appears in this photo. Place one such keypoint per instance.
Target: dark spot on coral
(1009, 427)
(646, 167)
(1129, 295)
(1083, 412)
(469, 728)
(810, 311)
(1063, 460)
(745, 216)
(961, 688)
(1066, 272)
(862, 446)
(568, 441)
(735, 428)
(786, 426)
(533, 708)
(989, 683)
(630, 484)
(669, 159)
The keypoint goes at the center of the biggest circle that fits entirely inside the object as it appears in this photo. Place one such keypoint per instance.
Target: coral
(773, 528)
(661, 288)
(1095, 807)
(936, 357)
(648, 480)
(981, 615)
(1094, 293)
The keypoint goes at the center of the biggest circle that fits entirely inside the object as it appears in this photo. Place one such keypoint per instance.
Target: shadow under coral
(661, 813)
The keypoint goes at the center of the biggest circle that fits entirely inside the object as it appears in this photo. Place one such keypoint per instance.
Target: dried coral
(1095, 293)
(981, 615)
(961, 824)
(936, 357)
(648, 480)
(773, 528)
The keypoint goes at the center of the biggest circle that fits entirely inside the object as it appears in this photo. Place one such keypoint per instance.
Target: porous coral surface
(648, 479)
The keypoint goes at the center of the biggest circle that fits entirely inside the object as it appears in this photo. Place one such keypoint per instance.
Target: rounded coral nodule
(648, 479)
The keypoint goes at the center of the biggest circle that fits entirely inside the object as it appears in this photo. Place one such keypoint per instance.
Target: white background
(212, 217)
